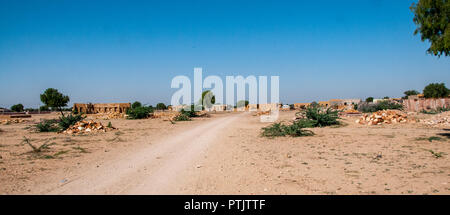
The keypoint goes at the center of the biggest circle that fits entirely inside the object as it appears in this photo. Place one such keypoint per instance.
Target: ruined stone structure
(420, 104)
(101, 108)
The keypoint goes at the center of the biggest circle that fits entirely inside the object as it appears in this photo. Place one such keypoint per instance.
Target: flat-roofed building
(101, 108)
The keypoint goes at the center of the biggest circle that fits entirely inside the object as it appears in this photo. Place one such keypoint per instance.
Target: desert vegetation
(63, 123)
(313, 116)
(381, 105)
(139, 111)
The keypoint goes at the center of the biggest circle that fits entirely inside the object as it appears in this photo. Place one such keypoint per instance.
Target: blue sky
(122, 51)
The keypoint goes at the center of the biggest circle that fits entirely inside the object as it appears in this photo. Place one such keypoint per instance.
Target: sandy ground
(225, 154)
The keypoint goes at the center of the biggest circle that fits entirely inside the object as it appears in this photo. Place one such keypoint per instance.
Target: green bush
(367, 108)
(274, 130)
(296, 129)
(182, 117)
(47, 126)
(66, 121)
(388, 105)
(278, 130)
(190, 113)
(319, 117)
(139, 112)
(307, 123)
(136, 105)
(313, 116)
(382, 105)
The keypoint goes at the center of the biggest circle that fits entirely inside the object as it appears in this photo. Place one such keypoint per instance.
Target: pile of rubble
(87, 126)
(383, 116)
(442, 119)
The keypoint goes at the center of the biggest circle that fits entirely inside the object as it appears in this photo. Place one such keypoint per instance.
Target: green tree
(436, 90)
(386, 97)
(369, 99)
(136, 104)
(54, 99)
(17, 108)
(410, 93)
(161, 106)
(432, 18)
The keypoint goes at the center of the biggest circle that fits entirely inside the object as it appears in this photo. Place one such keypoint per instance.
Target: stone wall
(419, 104)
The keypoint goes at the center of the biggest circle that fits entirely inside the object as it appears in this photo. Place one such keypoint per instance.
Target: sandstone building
(101, 108)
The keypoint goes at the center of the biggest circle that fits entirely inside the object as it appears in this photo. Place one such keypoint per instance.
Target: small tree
(369, 99)
(136, 104)
(386, 97)
(17, 108)
(161, 106)
(54, 99)
(436, 90)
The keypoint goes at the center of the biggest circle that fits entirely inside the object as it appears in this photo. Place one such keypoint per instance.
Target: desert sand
(225, 154)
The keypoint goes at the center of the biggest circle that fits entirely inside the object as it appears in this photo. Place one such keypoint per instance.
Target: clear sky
(122, 51)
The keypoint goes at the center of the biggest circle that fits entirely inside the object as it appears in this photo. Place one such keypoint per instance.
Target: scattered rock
(442, 119)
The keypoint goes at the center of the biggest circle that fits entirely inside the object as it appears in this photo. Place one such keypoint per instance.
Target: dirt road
(155, 169)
